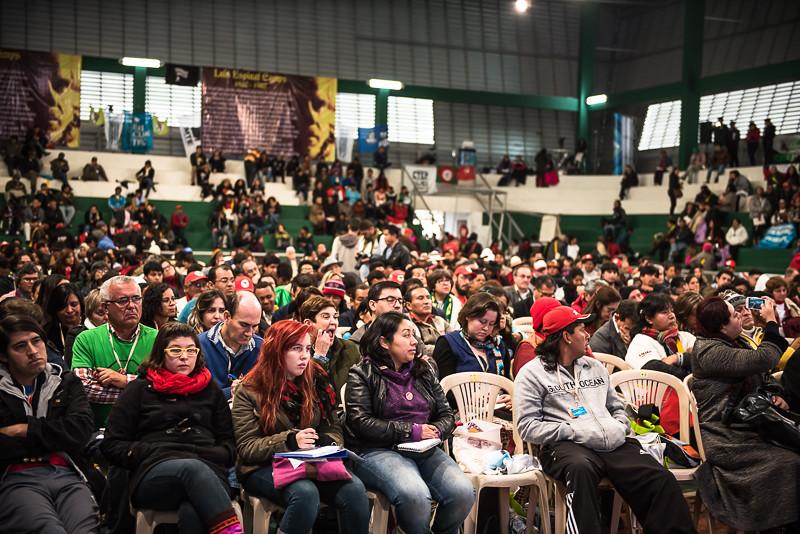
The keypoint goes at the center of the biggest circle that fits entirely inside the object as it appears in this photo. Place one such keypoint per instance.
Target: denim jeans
(188, 486)
(302, 499)
(411, 484)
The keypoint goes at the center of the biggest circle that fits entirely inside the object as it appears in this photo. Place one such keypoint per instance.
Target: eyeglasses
(124, 301)
(391, 300)
(177, 352)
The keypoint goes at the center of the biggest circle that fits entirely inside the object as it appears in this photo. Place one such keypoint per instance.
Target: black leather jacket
(364, 427)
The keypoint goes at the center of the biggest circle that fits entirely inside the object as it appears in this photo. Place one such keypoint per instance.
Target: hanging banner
(113, 124)
(424, 178)
(283, 115)
(446, 174)
(41, 90)
(137, 133)
(344, 144)
(369, 139)
(623, 142)
(181, 74)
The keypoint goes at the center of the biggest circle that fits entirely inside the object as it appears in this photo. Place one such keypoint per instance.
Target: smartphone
(754, 303)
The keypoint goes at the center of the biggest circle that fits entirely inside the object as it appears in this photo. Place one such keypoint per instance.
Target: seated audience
(45, 424)
(286, 403)
(583, 432)
(172, 429)
(742, 468)
(393, 397)
(657, 344)
(209, 311)
(615, 335)
(158, 306)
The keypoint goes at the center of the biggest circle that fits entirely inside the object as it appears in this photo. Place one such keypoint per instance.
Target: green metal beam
(558, 103)
(139, 84)
(690, 79)
(586, 72)
(743, 79)
(382, 108)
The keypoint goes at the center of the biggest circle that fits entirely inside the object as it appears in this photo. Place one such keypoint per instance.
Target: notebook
(419, 446)
(328, 452)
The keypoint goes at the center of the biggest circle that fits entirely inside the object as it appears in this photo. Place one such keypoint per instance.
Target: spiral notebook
(419, 446)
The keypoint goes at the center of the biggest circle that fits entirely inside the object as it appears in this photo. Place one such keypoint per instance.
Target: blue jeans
(302, 499)
(188, 486)
(411, 484)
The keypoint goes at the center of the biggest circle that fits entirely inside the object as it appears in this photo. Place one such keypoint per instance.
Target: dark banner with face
(40, 90)
(284, 115)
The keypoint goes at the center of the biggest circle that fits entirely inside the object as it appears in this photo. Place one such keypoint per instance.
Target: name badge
(577, 412)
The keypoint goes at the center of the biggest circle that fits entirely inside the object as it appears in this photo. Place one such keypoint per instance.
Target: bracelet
(321, 358)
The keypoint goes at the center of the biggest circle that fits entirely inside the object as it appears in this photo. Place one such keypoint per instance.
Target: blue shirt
(225, 365)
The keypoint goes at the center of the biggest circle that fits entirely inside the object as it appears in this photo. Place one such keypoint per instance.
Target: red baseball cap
(561, 317)
(540, 308)
(193, 277)
(243, 283)
(463, 269)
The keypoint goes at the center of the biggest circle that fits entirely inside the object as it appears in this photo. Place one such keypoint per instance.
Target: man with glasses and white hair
(231, 347)
(106, 358)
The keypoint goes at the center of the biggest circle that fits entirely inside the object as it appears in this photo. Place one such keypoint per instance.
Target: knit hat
(334, 287)
(733, 298)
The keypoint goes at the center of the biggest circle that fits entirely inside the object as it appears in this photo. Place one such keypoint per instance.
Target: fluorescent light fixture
(140, 62)
(596, 99)
(376, 83)
(521, 6)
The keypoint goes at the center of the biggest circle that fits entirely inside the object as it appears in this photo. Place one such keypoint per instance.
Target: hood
(52, 374)
(349, 240)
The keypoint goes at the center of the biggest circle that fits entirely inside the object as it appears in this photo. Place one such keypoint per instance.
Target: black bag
(774, 425)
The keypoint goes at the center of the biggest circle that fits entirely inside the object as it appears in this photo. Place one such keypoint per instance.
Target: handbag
(774, 425)
(286, 471)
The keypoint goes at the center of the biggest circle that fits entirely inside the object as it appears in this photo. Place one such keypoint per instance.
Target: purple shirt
(398, 406)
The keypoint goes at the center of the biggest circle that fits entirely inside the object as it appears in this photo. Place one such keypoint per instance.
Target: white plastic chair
(612, 363)
(642, 386)
(777, 375)
(522, 321)
(148, 520)
(476, 396)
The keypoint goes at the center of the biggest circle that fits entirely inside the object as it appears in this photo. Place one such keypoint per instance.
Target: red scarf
(669, 338)
(173, 383)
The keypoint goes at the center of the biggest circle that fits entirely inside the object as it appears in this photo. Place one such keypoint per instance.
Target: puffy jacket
(364, 400)
(544, 406)
(147, 427)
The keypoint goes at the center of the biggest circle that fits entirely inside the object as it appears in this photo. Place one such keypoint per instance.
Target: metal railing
(505, 227)
(416, 196)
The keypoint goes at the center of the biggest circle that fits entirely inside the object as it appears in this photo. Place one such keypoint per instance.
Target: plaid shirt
(96, 392)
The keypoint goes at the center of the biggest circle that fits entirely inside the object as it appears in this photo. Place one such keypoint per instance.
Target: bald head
(242, 324)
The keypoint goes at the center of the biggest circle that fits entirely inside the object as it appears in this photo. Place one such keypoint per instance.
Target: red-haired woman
(286, 403)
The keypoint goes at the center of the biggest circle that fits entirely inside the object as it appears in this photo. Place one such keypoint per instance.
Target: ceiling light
(521, 6)
(394, 85)
(596, 99)
(140, 62)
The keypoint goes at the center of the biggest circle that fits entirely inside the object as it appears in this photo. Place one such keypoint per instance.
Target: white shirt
(644, 348)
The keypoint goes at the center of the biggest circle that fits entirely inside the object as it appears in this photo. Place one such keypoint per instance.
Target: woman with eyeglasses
(158, 306)
(211, 308)
(172, 429)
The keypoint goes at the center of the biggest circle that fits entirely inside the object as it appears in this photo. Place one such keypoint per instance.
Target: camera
(754, 303)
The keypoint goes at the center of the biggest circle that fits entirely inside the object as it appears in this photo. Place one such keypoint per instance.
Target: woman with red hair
(286, 403)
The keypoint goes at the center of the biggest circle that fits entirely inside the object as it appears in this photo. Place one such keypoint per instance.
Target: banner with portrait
(284, 115)
(41, 89)
(424, 178)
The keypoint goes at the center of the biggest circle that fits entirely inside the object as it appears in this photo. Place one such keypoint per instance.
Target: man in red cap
(463, 278)
(194, 284)
(566, 404)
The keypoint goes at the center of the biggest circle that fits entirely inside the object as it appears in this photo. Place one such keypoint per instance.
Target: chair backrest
(777, 375)
(687, 383)
(525, 329)
(522, 321)
(612, 363)
(342, 330)
(341, 395)
(641, 386)
(476, 395)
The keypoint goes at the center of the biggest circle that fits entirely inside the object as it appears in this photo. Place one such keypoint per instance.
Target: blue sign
(778, 236)
(369, 139)
(137, 133)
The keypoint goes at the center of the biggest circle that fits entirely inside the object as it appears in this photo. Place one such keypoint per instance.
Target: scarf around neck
(670, 339)
(165, 381)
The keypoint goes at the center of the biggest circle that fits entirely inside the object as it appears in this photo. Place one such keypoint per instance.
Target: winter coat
(366, 392)
(146, 428)
(255, 447)
(62, 422)
(747, 483)
(344, 249)
(608, 341)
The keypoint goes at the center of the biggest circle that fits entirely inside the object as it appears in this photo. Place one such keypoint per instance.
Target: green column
(692, 69)
(139, 83)
(382, 107)
(586, 73)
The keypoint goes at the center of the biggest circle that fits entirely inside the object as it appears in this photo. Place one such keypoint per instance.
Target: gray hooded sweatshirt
(545, 406)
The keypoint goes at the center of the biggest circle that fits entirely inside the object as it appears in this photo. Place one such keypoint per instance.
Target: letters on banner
(424, 178)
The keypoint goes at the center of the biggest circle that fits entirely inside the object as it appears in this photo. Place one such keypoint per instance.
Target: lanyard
(575, 390)
(123, 370)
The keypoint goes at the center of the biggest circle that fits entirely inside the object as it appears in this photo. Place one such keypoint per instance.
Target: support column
(139, 84)
(586, 74)
(694, 13)
(382, 107)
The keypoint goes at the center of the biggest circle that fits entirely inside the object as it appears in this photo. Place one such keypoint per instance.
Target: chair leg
(616, 513)
(471, 522)
(502, 495)
(379, 520)
(561, 512)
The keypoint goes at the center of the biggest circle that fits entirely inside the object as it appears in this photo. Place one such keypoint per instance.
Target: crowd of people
(199, 374)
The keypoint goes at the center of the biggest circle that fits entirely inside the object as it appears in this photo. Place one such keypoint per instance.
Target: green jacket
(343, 355)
